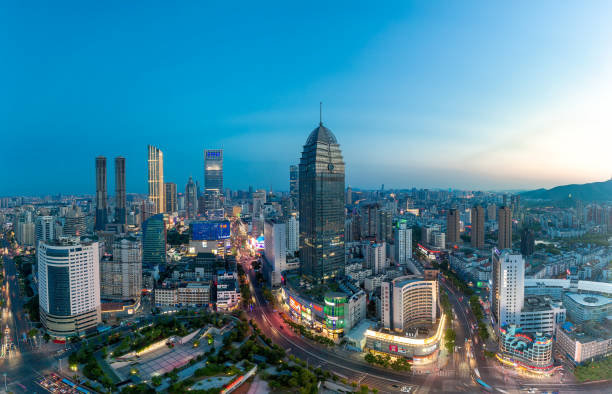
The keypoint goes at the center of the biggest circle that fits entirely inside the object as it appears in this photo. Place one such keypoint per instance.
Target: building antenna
(320, 113)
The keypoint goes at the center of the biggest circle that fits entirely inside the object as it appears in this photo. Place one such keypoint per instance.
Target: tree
(46, 337)
(32, 333)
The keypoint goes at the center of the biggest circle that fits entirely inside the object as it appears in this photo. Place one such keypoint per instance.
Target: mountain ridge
(593, 191)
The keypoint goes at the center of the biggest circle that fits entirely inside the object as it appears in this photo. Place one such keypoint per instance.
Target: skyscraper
(191, 199)
(508, 287)
(101, 215)
(478, 221)
(121, 277)
(293, 182)
(213, 178)
(120, 196)
(154, 240)
(44, 229)
(504, 220)
(170, 190)
(452, 227)
(527, 242)
(75, 223)
(321, 205)
(69, 302)
(156, 179)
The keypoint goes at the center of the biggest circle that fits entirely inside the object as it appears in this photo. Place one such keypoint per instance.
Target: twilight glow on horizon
(468, 95)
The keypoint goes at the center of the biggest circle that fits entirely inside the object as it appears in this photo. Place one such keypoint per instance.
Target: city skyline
(413, 76)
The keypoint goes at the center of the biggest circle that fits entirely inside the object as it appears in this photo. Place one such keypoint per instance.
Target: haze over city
(463, 95)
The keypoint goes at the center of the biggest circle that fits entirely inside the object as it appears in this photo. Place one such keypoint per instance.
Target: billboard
(210, 230)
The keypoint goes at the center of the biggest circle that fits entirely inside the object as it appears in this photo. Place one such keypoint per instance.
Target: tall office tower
(527, 242)
(121, 277)
(293, 182)
(101, 214)
(349, 196)
(508, 287)
(213, 178)
(45, 229)
(275, 251)
(452, 227)
(321, 189)
(154, 240)
(403, 242)
(171, 197)
(408, 301)
(293, 233)
(504, 221)
(156, 179)
(120, 195)
(75, 223)
(69, 286)
(384, 225)
(478, 223)
(369, 221)
(375, 256)
(191, 200)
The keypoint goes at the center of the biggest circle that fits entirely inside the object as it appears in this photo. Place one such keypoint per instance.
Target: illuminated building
(44, 229)
(408, 301)
(504, 220)
(419, 345)
(375, 256)
(532, 352)
(212, 236)
(587, 307)
(69, 286)
(75, 223)
(213, 178)
(585, 342)
(452, 227)
(156, 179)
(321, 206)
(478, 223)
(293, 182)
(120, 191)
(101, 214)
(293, 233)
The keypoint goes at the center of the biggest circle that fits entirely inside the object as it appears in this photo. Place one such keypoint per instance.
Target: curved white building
(69, 286)
(408, 300)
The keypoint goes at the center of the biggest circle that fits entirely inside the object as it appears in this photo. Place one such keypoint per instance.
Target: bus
(484, 385)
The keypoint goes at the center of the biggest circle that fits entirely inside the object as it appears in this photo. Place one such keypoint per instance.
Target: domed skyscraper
(321, 204)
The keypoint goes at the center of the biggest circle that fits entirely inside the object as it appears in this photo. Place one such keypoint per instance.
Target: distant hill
(595, 191)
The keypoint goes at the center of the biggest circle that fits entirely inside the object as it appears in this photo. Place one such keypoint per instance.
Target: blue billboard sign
(210, 230)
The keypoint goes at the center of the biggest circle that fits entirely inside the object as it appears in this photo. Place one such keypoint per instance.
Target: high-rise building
(121, 276)
(213, 178)
(69, 286)
(491, 212)
(293, 233)
(75, 223)
(321, 205)
(407, 301)
(402, 242)
(349, 196)
(25, 230)
(101, 214)
(171, 197)
(478, 223)
(452, 227)
(156, 179)
(191, 200)
(293, 182)
(508, 287)
(504, 220)
(45, 229)
(527, 242)
(154, 240)
(120, 191)
(375, 256)
(275, 251)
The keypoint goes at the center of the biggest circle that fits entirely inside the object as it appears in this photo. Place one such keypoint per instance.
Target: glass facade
(321, 205)
(334, 311)
(58, 284)
(154, 240)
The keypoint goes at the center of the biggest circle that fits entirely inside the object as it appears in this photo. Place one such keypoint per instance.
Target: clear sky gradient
(475, 95)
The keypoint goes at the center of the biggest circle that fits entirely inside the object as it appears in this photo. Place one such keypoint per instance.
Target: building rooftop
(537, 303)
(590, 300)
(589, 331)
(321, 134)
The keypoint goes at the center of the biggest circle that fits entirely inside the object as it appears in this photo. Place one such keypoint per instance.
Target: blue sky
(425, 94)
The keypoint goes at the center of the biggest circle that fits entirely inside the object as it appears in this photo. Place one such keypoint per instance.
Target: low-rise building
(531, 352)
(585, 342)
(194, 294)
(228, 294)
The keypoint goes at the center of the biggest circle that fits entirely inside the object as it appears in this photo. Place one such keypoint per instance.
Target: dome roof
(321, 134)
